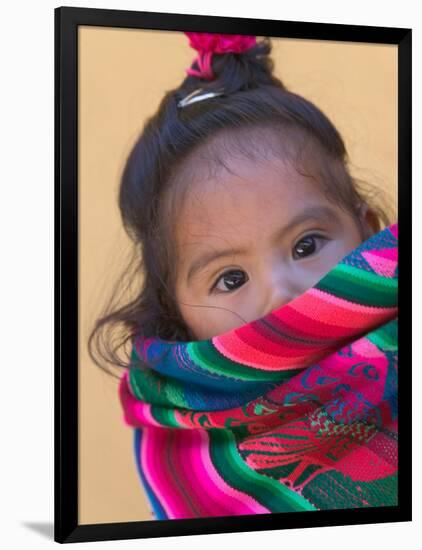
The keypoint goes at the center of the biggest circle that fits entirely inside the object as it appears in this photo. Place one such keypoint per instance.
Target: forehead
(249, 194)
(216, 156)
(241, 185)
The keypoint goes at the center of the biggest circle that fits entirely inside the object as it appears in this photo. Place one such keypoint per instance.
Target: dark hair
(165, 158)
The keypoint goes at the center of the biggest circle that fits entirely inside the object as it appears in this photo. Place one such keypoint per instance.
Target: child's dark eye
(230, 280)
(235, 278)
(307, 246)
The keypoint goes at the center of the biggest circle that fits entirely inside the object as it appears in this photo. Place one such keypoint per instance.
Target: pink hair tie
(208, 43)
(204, 64)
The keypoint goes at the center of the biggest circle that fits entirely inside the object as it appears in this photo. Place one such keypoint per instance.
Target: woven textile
(296, 411)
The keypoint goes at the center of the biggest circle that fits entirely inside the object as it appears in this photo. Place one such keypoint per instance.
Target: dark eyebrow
(312, 212)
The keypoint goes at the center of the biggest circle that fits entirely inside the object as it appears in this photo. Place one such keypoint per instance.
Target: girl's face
(252, 241)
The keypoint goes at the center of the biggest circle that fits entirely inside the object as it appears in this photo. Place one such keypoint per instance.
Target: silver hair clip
(194, 97)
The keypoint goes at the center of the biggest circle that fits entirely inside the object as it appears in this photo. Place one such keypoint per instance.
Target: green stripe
(360, 286)
(206, 356)
(285, 436)
(276, 451)
(386, 336)
(269, 492)
(352, 272)
(135, 386)
(153, 388)
(164, 416)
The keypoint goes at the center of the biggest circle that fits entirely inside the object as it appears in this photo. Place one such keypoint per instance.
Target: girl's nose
(280, 292)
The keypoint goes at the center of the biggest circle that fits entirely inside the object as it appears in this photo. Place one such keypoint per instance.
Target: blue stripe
(155, 504)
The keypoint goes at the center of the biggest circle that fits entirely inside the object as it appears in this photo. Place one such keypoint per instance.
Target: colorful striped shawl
(295, 411)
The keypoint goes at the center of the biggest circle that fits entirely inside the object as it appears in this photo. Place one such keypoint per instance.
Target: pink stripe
(254, 357)
(245, 344)
(152, 447)
(187, 500)
(309, 323)
(346, 314)
(148, 415)
(394, 228)
(278, 339)
(167, 480)
(136, 413)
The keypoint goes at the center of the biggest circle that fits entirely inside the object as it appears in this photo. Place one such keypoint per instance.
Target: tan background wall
(122, 76)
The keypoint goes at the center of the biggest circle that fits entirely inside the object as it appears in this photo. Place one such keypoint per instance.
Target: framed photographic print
(227, 285)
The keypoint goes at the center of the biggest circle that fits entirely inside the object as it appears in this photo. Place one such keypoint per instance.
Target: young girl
(239, 201)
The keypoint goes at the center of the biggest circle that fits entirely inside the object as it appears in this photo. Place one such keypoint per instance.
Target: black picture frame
(67, 20)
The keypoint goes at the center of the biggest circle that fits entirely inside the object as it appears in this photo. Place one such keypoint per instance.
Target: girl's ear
(369, 220)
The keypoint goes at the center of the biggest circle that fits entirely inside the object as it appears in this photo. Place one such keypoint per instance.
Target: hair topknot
(236, 71)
